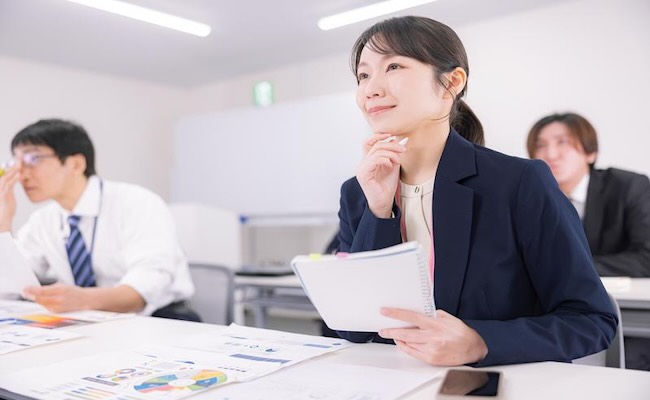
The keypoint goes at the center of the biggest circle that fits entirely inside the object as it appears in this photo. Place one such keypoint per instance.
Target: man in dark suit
(614, 205)
(617, 222)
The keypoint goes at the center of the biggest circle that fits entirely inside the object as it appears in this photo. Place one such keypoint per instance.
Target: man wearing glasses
(107, 245)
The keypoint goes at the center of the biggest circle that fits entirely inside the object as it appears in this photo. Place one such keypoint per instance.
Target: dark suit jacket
(617, 222)
(511, 258)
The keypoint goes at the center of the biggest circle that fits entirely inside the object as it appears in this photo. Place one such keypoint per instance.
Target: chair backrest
(614, 356)
(213, 295)
(208, 235)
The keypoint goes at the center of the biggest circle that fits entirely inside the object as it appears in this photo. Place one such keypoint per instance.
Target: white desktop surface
(633, 298)
(638, 290)
(637, 295)
(284, 281)
(530, 381)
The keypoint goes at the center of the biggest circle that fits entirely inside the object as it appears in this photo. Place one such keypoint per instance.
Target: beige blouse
(417, 210)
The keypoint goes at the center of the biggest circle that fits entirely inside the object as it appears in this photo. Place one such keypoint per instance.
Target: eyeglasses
(29, 160)
(33, 159)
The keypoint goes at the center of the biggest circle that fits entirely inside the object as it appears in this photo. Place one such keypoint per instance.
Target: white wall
(327, 75)
(130, 122)
(589, 56)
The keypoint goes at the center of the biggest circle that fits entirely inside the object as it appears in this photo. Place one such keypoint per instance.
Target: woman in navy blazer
(513, 276)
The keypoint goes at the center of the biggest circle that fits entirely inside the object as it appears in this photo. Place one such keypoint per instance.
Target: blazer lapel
(452, 221)
(594, 209)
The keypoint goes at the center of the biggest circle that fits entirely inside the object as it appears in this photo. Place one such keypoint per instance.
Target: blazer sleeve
(634, 260)
(361, 230)
(575, 316)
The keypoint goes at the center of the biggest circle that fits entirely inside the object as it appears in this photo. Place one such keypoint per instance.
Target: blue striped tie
(80, 260)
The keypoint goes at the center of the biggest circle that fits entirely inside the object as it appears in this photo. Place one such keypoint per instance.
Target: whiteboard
(290, 158)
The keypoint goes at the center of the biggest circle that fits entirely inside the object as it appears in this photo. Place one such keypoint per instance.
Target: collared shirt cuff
(152, 286)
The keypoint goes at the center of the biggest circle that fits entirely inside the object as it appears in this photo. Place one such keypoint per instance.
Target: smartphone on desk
(470, 384)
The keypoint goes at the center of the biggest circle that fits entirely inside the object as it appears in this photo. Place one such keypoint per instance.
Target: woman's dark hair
(65, 138)
(579, 128)
(430, 42)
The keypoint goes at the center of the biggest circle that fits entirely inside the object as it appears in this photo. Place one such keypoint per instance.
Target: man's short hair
(66, 138)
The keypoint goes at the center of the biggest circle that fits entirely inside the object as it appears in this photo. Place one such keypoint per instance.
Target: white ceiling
(247, 35)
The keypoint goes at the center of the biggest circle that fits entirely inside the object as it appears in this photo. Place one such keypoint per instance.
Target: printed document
(328, 381)
(28, 309)
(16, 273)
(171, 371)
(11, 308)
(18, 337)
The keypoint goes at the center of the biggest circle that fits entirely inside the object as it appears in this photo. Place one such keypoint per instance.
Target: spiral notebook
(349, 290)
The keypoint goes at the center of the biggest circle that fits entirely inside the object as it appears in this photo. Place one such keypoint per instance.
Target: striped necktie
(80, 259)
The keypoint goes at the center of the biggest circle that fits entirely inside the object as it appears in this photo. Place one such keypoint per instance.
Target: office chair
(614, 356)
(213, 296)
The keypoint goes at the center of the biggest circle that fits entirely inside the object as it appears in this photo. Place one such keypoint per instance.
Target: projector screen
(287, 159)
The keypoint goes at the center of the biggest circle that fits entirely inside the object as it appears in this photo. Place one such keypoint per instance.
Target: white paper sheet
(170, 372)
(328, 381)
(113, 376)
(16, 273)
(96, 315)
(18, 308)
(18, 337)
(12, 308)
(254, 352)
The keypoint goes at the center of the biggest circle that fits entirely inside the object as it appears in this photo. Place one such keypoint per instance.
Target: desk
(633, 300)
(529, 381)
(635, 307)
(264, 292)
(283, 281)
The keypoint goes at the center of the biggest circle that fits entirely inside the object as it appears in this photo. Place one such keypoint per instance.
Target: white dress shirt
(578, 196)
(135, 242)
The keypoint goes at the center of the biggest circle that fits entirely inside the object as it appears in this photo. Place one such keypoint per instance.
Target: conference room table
(261, 293)
(547, 380)
(632, 295)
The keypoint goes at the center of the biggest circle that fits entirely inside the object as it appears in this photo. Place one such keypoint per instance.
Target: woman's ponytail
(467, 124)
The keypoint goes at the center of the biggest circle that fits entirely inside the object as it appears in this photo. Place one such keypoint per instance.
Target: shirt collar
(89, 202)
(579, 193)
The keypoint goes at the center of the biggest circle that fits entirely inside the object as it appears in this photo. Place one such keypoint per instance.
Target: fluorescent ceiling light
(148, 15)
(371, 11)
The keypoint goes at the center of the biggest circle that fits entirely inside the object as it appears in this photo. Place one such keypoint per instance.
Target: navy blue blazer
(511, 257)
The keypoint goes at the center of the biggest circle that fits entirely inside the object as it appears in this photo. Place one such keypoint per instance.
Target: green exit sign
(263, 94)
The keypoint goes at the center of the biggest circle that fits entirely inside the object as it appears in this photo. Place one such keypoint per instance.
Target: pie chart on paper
(190, 380)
